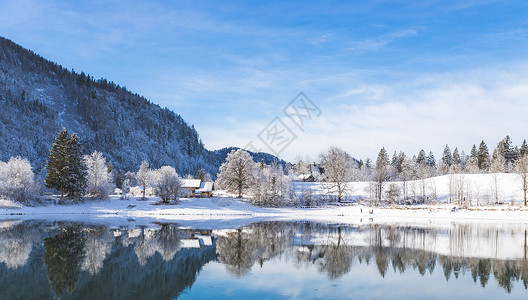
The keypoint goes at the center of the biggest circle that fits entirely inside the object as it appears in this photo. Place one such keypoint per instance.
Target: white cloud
(456, 109)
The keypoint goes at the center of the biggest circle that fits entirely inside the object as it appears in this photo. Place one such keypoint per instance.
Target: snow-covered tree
(457, 159)
(447, 160)
(393, 192)
(339, 171)
(99, 181)
(272, 187)
(237, 173)
(167, 184)
(128, 181)
(17, 179)
(144, 177)
(521, 168)
(472, 163)
(431, 162)
(523, 151)
(497, 166)
(301, 167)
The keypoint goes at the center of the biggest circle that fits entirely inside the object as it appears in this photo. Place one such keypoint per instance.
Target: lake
(264, 260)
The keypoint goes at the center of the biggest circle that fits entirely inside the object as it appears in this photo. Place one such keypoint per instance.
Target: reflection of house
(205, 190)
(196, 238)
(197, 188)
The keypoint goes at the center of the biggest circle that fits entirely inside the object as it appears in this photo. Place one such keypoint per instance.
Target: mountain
(39, 97)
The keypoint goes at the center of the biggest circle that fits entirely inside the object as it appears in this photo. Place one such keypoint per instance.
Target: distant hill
(39, 97)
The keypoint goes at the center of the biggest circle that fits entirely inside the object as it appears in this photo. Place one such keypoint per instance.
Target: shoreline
(229, 210)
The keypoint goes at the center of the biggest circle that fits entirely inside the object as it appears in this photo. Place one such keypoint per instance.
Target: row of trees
(267, 185)
(340, 169)
(75, 175)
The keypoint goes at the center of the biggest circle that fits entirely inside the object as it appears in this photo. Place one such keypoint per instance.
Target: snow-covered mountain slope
(39, 97)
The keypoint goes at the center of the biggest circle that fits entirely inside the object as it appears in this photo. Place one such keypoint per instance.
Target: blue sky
(404, 75)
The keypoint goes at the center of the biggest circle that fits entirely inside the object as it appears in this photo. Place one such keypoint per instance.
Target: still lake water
(266, 260)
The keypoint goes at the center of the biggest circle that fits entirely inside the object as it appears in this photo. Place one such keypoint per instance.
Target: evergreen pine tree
(447, 157)
(119, 179)
(76, 171)
(431, 161)
(524, 149)
(483, 158)
(456, 157)
(65, 167)
(473, 155)
(421, 159)
(58, 163)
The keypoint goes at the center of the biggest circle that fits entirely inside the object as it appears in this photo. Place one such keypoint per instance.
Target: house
(190, 186)
(315, 172)
(205, 190)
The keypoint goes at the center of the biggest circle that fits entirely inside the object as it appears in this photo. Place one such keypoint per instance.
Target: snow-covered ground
(225, 211)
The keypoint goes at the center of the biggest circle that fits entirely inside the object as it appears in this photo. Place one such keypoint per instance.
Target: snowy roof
(191, 183)
(190, 243)
(314, 168)
(207, 240)
(205, 187)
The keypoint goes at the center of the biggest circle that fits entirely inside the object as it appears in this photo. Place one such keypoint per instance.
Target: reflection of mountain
(79, 262)
(122, 277)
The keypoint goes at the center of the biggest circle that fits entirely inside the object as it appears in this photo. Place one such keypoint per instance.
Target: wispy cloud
(377, 43)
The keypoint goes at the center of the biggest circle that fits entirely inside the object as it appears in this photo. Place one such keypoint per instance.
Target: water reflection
(72, 260)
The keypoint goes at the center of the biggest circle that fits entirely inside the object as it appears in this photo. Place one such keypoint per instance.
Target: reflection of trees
(62, 257)
(131, 266)
(337, 258)
(166, 241)
(237, 251)
(98, 243)
(240, 249)
(16, 244)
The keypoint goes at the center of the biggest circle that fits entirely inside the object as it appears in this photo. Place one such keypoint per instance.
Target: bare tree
(521, 168)
(339, 169)
(497, 166)
(144, 176)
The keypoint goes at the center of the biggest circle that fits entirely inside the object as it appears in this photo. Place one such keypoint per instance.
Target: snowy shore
(224, 211)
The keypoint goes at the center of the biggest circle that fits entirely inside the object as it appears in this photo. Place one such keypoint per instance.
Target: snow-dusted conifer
(57, 165)
(382, 172)
(76, 183)
(483, 158)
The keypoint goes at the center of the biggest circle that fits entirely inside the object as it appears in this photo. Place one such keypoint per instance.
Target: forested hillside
(39, 97)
